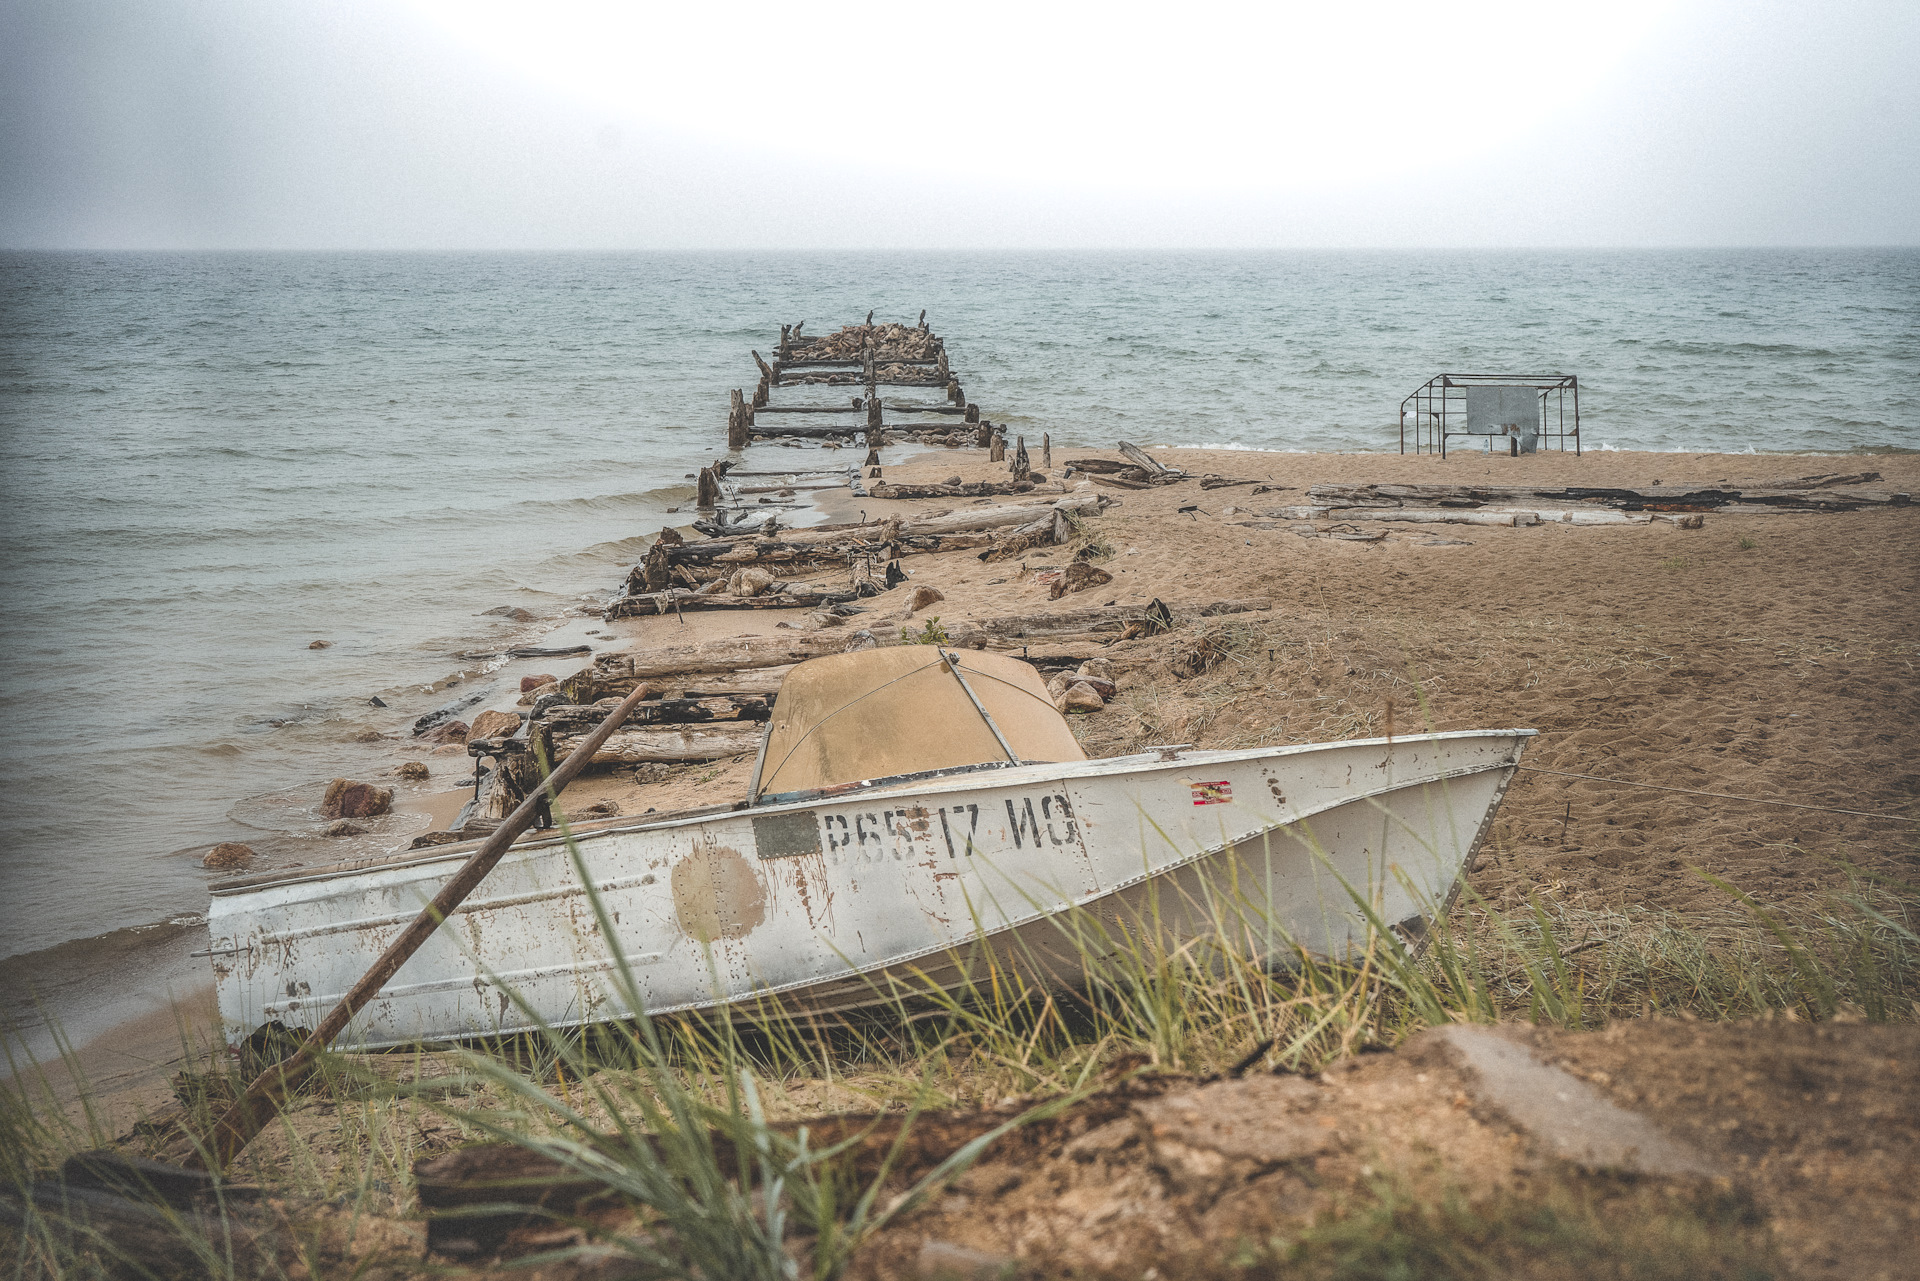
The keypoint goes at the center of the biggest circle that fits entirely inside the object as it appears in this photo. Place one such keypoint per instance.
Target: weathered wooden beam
(670, 746)
(808, 433)
(739, 424)
(1141, 458)
(859, 362)
(570, 719)
(1647, 497)
(971, 489)
(620, 673)
(677, 600)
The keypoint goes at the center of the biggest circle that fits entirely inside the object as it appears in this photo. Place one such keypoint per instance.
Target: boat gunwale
(940, 782)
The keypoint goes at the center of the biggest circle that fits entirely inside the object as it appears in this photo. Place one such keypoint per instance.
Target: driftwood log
(972, 489)
(620, 673)
(1140, 458)
(681, 600)
(1673, 498)
(135, 1238)
(806, 550)
(1502, 516)
(474, 1197)
(575, 719)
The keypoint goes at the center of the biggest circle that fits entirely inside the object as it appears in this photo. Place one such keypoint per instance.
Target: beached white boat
(913, 807)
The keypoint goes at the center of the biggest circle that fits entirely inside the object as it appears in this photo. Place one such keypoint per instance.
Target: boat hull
(851, 899)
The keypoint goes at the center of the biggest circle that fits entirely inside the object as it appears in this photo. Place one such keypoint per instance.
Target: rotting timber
(740, 557)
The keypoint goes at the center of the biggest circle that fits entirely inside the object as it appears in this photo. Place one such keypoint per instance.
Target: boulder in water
(320, 645)
(348, 799)
(411, 769)
(228, 854)
(529, 683)
(343, 827)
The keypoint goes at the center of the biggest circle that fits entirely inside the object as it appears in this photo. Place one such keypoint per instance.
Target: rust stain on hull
(717, 894)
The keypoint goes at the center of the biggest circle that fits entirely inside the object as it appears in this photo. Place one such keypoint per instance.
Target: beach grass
(697, 1123)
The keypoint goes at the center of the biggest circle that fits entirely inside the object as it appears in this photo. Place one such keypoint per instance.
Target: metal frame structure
(1439, 405)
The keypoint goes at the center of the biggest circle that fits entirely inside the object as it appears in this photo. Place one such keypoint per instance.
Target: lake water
(213, 459)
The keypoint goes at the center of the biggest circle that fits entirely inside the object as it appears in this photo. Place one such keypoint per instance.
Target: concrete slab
(1569, 1118)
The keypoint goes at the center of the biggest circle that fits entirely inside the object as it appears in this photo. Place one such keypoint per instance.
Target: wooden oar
(241, 1122)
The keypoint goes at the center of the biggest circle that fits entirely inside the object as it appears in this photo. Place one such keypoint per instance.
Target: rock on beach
(494, 725)
(1081, 697)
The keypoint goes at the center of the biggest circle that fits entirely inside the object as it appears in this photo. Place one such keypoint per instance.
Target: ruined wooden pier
(704, 700)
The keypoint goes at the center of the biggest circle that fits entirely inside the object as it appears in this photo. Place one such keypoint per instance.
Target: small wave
(1694, 347)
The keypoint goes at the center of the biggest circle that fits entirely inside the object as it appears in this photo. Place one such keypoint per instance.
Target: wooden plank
(810, 433)
(578, 718)
(1651, 497)
(611, 672)
(681, 600)
(670, 746)
(970, 489)
(808, 409)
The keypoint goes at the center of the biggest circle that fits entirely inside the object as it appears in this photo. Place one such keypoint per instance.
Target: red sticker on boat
(1212, 793)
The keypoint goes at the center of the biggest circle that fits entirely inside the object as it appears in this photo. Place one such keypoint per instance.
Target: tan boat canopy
(906, 709)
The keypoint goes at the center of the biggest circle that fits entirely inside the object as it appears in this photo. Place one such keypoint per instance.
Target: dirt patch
(1818, 1126)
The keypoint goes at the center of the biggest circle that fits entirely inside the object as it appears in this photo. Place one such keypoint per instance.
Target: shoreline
(1154, 545)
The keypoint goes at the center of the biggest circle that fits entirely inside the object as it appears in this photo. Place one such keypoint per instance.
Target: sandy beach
(1647, 654)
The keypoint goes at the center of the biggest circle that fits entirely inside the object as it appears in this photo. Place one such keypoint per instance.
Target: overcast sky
(585, 124)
